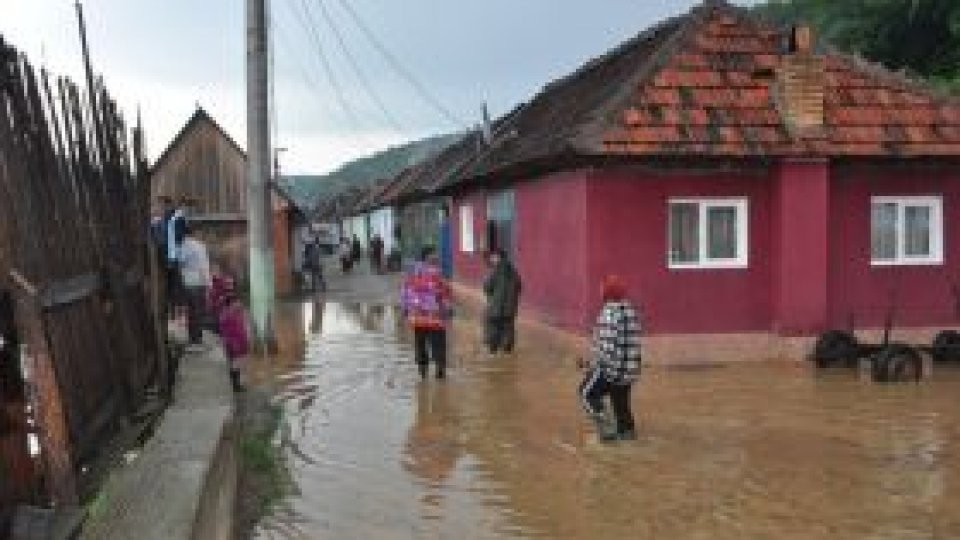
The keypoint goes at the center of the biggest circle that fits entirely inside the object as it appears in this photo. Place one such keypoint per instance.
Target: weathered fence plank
(47, 403)
(74, 253)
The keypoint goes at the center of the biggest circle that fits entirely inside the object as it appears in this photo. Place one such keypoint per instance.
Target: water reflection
(500, 449)
(431, 452)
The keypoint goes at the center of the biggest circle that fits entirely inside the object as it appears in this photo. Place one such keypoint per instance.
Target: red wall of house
(800, 246)
(550, 244)
(923, 292)
(552, 248)
(627, 212)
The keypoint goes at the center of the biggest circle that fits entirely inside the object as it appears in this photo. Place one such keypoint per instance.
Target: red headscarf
(613, 288)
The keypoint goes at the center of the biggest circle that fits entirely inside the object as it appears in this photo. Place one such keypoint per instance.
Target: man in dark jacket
(502, 288)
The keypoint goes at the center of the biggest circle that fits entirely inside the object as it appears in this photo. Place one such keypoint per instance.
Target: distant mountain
(307, 190)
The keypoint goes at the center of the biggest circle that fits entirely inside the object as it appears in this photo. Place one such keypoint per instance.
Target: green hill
(307, 190)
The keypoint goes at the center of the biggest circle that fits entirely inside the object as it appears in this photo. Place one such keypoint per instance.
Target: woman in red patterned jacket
(425, 301)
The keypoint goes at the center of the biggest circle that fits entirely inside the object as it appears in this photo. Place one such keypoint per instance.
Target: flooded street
(500, 449)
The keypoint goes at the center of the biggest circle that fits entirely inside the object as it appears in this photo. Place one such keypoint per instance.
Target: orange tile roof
(716, 93)
(714, 82)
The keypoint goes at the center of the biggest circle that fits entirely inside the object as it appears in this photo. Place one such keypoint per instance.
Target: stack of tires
(897, 363)
(946, 347)
(836, 348)
(894, 362)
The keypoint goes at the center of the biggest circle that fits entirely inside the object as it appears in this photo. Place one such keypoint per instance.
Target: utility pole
(259, 212)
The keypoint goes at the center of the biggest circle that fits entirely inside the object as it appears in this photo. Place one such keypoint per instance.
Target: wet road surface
(500, 449)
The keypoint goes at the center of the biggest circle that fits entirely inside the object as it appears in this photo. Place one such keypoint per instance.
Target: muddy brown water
(500, 450)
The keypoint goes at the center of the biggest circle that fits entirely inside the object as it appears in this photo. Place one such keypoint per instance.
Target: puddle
(500, 450)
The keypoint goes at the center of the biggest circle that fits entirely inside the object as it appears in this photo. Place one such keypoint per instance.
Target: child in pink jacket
(235, 334)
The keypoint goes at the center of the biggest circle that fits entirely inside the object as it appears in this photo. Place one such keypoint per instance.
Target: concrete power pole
(259, 211)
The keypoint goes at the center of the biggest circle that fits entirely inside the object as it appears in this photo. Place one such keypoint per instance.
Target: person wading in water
(614, 363)
(425, 301)
(502, 289)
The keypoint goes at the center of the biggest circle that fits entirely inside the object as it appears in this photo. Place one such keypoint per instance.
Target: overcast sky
(168, 56)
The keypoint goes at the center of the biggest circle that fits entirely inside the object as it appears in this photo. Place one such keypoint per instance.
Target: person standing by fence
(195, 271)
(176, 229)
(425, 300)
(235, 332)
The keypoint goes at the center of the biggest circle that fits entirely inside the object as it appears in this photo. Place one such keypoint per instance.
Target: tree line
(921, 37)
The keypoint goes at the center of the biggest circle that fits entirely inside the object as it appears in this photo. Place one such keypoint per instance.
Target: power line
(309, 25)
(304, 73)
(356, 67)
(400, 69)
(296, 62)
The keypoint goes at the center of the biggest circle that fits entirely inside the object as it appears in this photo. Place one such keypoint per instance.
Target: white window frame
(467, 229)
(935, 203)
(742, 207)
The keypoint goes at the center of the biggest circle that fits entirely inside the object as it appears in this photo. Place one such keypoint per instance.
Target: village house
(204, 164)
(753, 186)
(399, 210)
(418, 216)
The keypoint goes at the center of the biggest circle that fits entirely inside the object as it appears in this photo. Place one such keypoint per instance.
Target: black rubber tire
(835, 347)
(946, 346)
(898, 363)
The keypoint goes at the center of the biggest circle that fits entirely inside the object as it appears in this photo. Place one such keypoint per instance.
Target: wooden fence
(81, 348)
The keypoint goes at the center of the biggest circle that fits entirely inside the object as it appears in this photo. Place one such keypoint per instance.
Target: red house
(751, 185)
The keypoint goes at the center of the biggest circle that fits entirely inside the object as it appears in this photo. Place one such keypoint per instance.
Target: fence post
(46, 398)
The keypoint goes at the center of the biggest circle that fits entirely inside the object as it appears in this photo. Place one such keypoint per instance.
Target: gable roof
(199, 116)
(707, 83)
(423, 178)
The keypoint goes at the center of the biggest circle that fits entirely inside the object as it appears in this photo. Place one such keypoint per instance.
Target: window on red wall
(501, 211)
(906, 230)
(466, 229)
(707, 233)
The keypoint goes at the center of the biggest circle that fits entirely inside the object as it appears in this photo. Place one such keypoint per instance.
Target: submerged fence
(80, 349)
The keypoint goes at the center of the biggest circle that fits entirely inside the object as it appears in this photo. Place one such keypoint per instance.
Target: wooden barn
(205, 164)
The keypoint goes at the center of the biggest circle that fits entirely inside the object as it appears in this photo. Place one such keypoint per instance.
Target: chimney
(801, 82)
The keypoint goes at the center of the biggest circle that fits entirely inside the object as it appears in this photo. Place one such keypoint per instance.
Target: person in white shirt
(195, 272)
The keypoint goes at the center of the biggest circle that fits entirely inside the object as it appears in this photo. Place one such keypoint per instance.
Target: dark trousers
(430, 344)
(196, 306)
(501, 333)
(174, 286)
(317, 284)
(595, 387)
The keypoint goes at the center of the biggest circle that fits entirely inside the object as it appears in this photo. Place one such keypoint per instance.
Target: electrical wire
(303, 72)
(294, 60)
(395, 63)
(364, 81)
(309, 25)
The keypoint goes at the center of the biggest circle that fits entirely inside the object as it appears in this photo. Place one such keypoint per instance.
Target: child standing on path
(425, 301)
(235, 334)
(614, 363)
